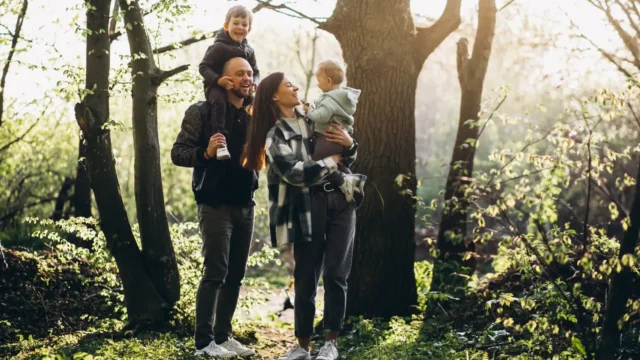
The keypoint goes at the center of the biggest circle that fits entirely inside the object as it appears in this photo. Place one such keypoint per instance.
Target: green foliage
(529, 214)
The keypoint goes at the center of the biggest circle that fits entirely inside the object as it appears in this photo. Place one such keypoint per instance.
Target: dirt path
(276, 336)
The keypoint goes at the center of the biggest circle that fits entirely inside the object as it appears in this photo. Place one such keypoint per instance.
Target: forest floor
(58, 316)
(52, 309)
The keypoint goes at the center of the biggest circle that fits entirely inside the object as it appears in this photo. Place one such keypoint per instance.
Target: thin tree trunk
(157, 248)
(307, 68)
(63, 197)
(385, 54)
(620, 287)
(12, 50)
(82, 187)
(143, 302)
(452, 230)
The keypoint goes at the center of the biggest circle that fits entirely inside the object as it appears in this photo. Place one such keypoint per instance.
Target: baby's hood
(346, 97)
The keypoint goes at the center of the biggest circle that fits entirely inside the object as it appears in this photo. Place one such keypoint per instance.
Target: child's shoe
(223, 153)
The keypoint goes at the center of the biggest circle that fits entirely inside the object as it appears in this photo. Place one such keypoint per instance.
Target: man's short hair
(333, 70)
(239, 11)
(225, 67)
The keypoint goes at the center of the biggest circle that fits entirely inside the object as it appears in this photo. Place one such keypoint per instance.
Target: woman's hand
(338, 135)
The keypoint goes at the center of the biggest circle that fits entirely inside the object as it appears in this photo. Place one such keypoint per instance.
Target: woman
(304, 209)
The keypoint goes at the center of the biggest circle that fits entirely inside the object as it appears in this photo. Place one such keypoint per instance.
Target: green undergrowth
(64, 302)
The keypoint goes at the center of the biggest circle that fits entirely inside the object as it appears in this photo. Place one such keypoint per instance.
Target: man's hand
(215, 142)
(226, 82)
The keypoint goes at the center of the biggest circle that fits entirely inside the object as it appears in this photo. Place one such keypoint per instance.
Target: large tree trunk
(453, 227)
(152, 218)
(82, 187)
(384, 54)
(143, 303)
(620, 287)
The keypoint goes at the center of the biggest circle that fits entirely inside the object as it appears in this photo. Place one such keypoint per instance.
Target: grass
(269, 340)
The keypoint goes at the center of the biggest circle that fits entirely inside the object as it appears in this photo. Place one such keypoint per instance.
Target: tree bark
(82, 188)
(379, 41)
(157, 248)
(143, 302)
(619, 288)
(452, 230)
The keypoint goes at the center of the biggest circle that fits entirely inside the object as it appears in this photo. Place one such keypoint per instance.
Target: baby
(336, 105)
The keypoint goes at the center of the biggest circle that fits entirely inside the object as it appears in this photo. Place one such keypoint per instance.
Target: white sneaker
(347, 189)
(215, 350)
(223, 153)
(296, 353)
(328, 351)
(234, 346)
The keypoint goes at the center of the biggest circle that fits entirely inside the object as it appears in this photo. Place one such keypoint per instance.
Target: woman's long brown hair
(265, 115)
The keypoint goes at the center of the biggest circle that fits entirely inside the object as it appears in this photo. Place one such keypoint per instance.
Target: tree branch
(635, 8)
(9, 32)
(14, 43)
(505, 5)
(628, 40)
(165, 74)
(185, 42)
(113, 34)
(24, 134)
(427, 39)
(286, 10)
(589, 177)
(634, 113)
(14, 212)
(607, 55)
(204, 36)
(632, 22)
(6, 146)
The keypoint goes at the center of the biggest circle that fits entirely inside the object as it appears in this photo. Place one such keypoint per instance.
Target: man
(224, 194)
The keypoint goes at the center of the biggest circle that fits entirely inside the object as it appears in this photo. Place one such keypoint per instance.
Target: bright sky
(49, 21)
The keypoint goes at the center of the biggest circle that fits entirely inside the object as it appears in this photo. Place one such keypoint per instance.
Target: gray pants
(226, 233)
(331, 248)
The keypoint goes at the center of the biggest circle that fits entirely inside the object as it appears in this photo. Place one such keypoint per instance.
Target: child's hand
(226, 82)
(306, 106)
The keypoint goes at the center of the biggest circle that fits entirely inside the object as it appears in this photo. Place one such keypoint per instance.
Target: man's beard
(238, 93)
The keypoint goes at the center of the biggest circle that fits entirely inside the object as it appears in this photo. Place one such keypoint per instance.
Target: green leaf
(577, 345)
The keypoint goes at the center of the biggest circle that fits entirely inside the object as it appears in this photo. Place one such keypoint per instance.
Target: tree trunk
(63, 197)
(157, 248)
(453, 227)
(82, 192)
(384, 54)
(620, 287)
(143, 302)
